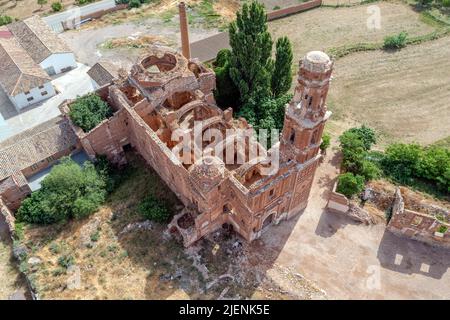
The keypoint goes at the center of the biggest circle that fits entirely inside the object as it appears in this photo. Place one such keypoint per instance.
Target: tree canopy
(88, 111)
(69, 191)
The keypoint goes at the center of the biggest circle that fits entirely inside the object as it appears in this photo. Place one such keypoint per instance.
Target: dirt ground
(117, 254)
(316, 255)
(403, 95)
(21, 9)
(325, 28)
(353, 261)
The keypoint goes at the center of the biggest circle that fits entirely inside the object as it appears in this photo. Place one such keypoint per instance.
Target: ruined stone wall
(416, 225)
(337, 202)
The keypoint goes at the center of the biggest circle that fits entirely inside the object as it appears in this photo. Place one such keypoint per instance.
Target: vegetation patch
(88, 111)
(69, 191)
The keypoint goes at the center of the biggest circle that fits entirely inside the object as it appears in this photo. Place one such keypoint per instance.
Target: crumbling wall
(337, 202)
(416, 225)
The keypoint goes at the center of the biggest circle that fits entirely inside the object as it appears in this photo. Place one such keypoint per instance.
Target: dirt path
(86, 42)
(352, 261)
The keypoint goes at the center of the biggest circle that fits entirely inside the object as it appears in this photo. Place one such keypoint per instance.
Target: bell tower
(307, 113)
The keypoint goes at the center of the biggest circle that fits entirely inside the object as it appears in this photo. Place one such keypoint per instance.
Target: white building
(24, 81)
(43, 45)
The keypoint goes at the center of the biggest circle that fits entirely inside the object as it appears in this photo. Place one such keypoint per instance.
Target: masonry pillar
(185, 45)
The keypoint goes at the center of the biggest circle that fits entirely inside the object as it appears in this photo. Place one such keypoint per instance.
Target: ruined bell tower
(307, 113)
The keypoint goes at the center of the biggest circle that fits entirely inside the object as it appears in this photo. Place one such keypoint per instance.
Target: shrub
(370, 170)
(349, 184)
(155, 210)
(446, 3)
(353, 151)
(56, 6)
(134, 4)
(366, 135)
(401, 160)
(69, 191)
(433, 164)
(66, 261)
(122, 1)
(5, 20)
(326, 141)
(88, 111)
(442, 229)
(396, 41)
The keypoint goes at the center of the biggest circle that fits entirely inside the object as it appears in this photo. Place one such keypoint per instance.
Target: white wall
(59, 61)
(20, 101)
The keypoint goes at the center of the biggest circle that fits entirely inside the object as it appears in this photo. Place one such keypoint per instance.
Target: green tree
(69, 191)
(88, 111)
(226, 92)
(349, 184)
(250, 62)
(401, 160)
(41, 3)
(282, 72)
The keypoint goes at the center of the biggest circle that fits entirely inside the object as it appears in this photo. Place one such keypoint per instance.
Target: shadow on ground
(412, 257)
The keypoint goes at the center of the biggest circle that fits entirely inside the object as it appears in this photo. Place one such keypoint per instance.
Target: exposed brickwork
(416, 225)
(166, 92)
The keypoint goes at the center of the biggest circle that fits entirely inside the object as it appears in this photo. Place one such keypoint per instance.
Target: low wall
(337, 202)
(277, 14)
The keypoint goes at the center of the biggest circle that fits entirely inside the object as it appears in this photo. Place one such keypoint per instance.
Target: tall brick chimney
(185, 45)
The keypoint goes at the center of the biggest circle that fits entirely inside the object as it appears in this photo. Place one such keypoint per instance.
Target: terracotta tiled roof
(19, 73)
(30, 150)
(37, 38)
(103, 72)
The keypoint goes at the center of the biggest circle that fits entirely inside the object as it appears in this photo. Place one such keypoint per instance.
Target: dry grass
(135, 42)
(404, 95)
(325, 28)
(204, 13)
(143, 263)
(21, 9)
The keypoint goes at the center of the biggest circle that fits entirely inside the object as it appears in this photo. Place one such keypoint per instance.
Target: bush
(446, 3)
(349, 184)
(5, 20)
(56, 6)
(401, 160)
(69, 191)
(66, 261)
(134, 4)
(370, 170)
(396, 41)
(366, 135)
(326, 141)
(153, 209)
(88, 111)
(353, 150)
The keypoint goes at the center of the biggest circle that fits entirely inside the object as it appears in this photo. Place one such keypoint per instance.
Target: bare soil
(21, 9)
